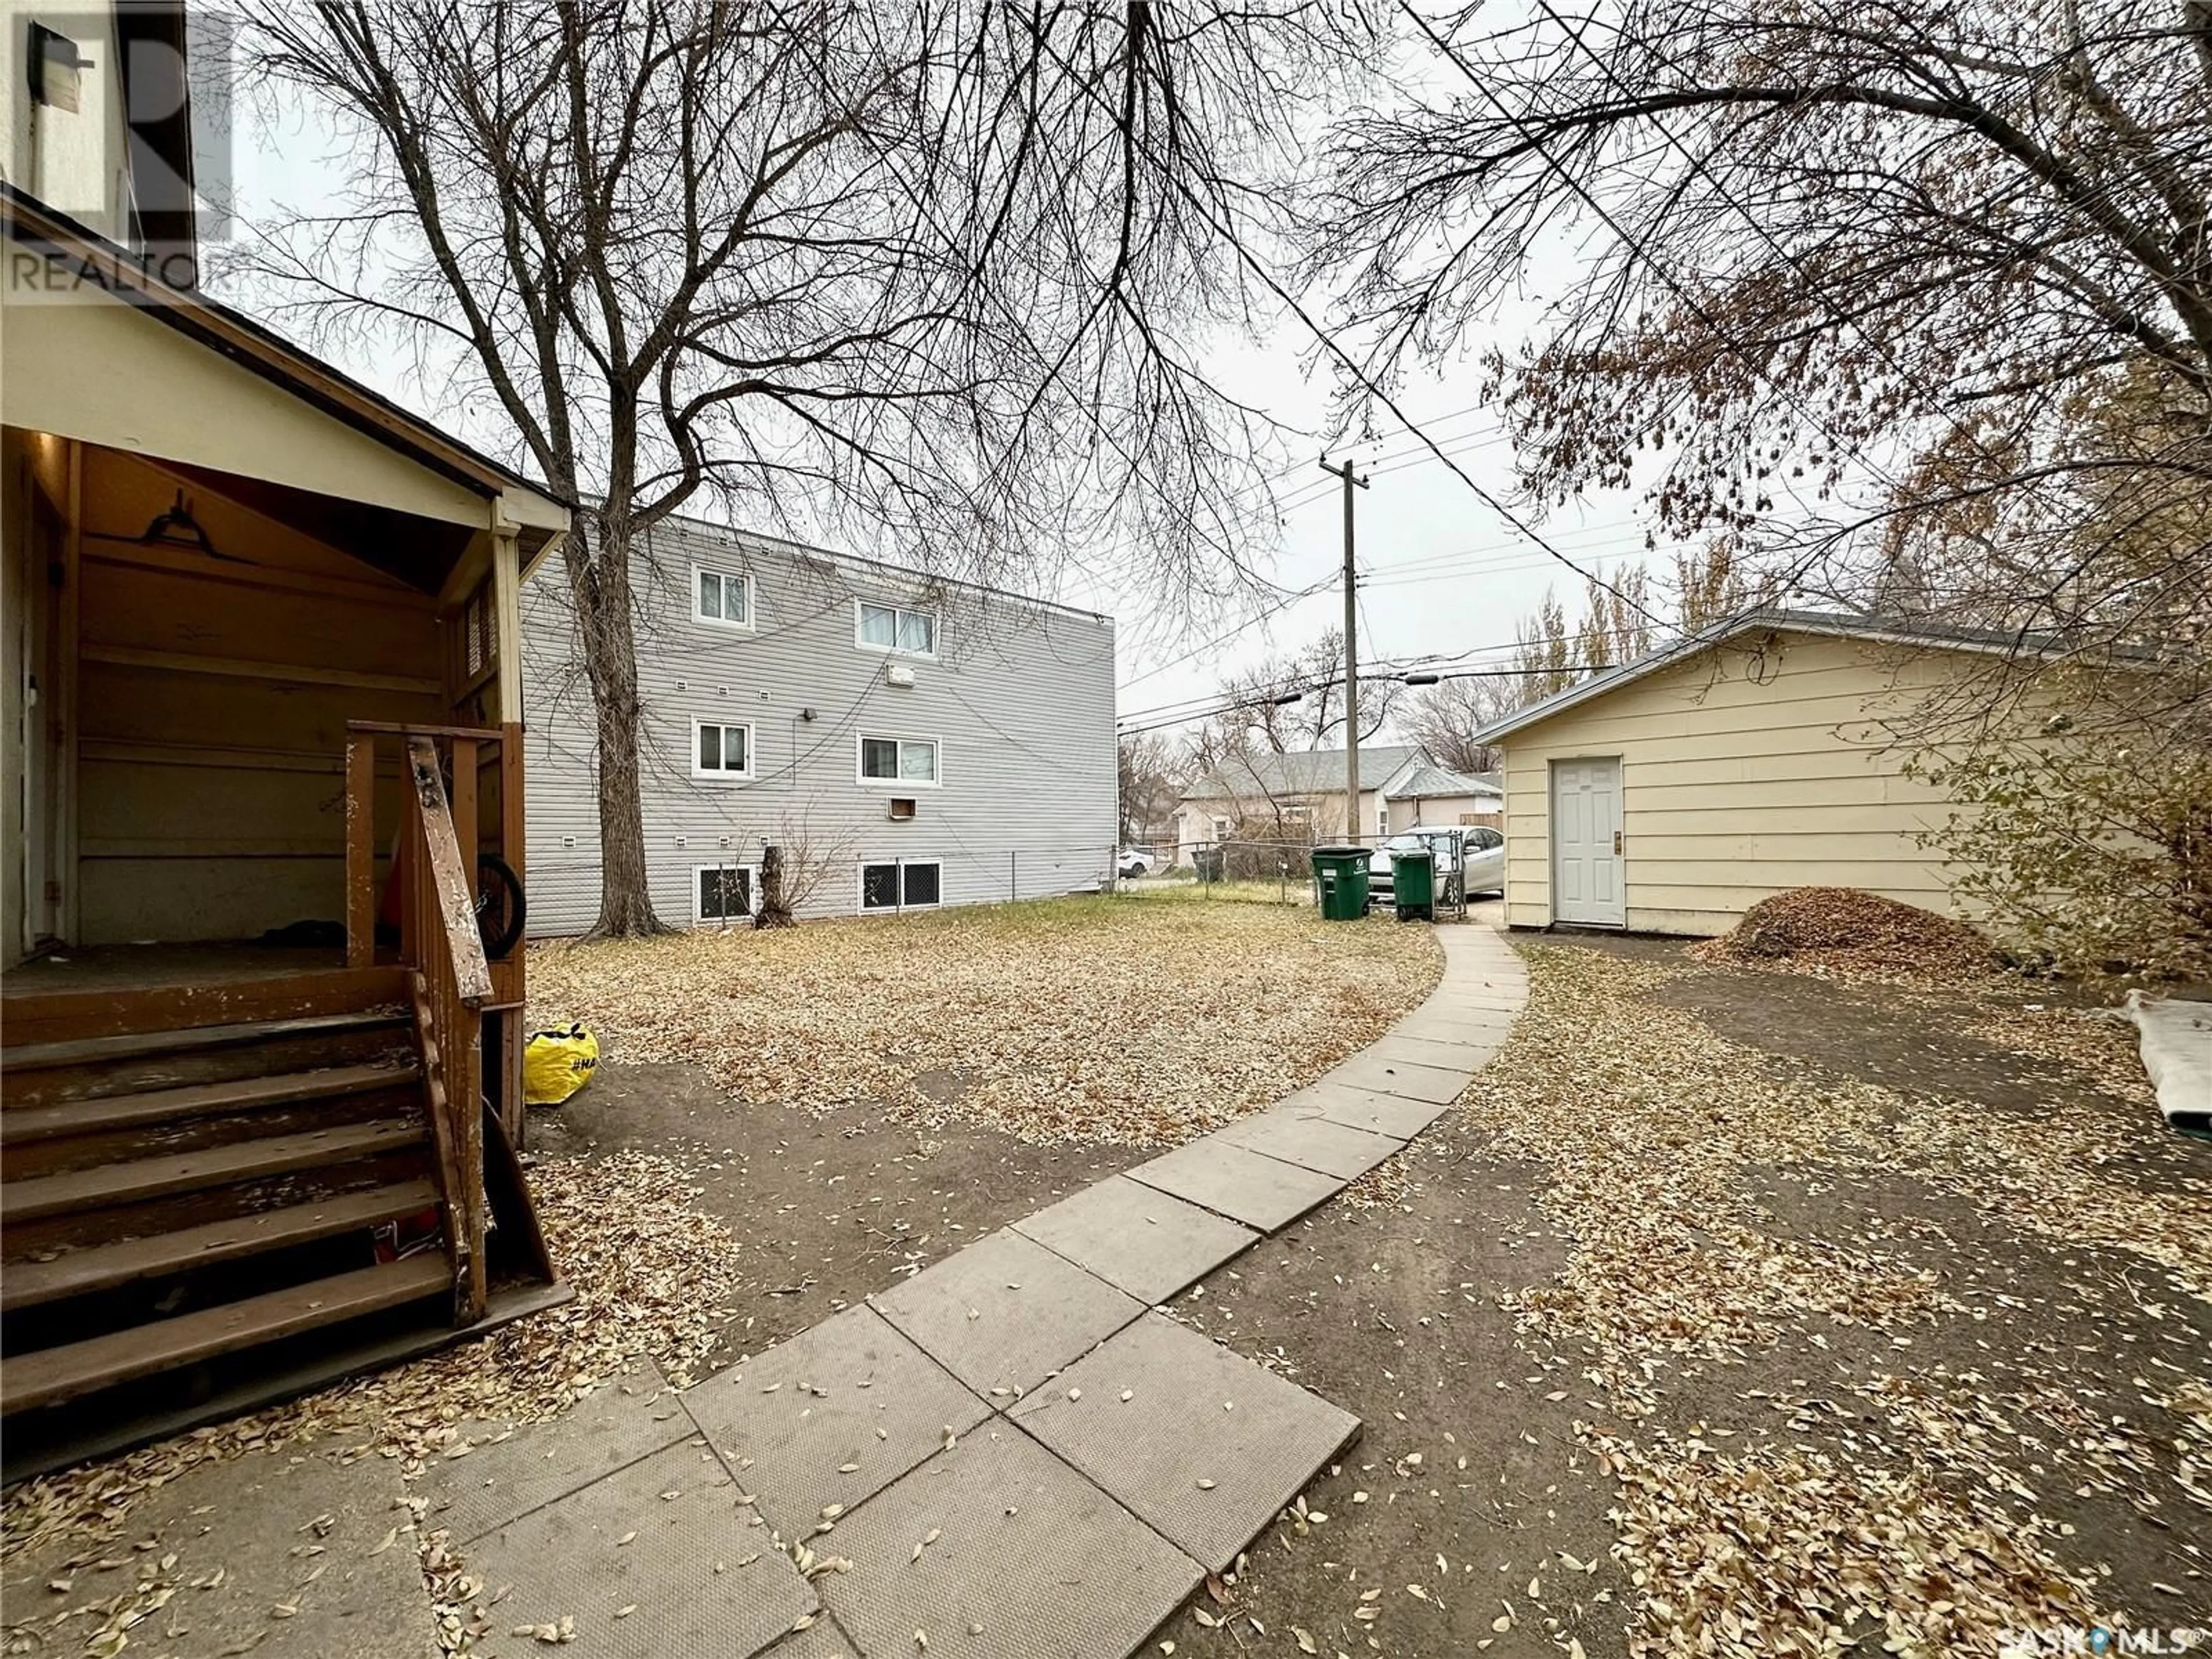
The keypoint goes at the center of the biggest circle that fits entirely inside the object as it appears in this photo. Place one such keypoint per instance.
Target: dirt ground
(821, 1210)
(1959, 1431)
(1731, 1311)
(1870, 1385)
(785, 1121)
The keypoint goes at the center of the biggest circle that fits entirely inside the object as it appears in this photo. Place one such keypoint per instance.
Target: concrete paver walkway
(1004, 1456)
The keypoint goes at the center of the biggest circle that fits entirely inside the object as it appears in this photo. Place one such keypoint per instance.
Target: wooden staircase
(215, 1195)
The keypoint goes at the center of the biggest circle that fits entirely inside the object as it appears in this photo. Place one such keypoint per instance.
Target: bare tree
(934, 274)
(1443, 718)
(1712, 584)
(1857, 277)
(1148, 771)
(797, 859)
(1906, 306)
(1296, 701)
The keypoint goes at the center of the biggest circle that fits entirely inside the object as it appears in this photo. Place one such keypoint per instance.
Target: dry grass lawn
(1138, 1020)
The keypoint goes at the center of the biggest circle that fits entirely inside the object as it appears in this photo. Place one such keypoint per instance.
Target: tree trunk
(600, 589)
(774, 908)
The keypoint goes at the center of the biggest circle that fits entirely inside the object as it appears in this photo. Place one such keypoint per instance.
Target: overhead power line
(1134, 730)
(1182, 709)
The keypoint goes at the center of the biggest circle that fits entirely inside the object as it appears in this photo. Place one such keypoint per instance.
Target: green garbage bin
(1341, 872)
(1413, 885)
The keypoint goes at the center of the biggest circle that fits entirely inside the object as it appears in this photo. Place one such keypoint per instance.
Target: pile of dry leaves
(1657, 1137)
(1843, 930)
(651, 1275)
(1137, 1021)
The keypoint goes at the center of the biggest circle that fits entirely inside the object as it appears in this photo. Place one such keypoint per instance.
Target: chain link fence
(1272, 867)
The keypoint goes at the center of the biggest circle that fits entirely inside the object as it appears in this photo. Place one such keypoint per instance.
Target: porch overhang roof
(124, 361)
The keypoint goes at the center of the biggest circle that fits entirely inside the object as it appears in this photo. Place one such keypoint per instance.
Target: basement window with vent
(901, 885)
(724, 891)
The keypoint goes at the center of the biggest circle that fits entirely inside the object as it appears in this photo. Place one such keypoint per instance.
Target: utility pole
(1350, 656)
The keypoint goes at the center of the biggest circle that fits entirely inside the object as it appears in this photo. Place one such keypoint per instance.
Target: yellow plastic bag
(555, 1064)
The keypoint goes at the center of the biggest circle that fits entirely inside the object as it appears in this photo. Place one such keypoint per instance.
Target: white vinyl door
(1586, 843)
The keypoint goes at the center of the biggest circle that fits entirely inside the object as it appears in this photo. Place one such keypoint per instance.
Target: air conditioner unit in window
(902, 806)
(898, 673)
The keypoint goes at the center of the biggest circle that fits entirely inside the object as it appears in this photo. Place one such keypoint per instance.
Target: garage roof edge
(1888, 630)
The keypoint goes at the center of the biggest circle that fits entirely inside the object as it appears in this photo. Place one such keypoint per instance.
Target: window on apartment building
(1294, 811)
(1382, 821)
(719, 597)
(894, 627)
(1221, 828)
(902, 884)
(898, 760)
(721, 752)
(724, 891)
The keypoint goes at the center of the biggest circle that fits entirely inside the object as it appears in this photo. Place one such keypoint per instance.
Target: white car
(1482, 854)
(1134, 861)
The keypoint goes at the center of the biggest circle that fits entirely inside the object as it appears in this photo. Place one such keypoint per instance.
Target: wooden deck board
(104, 1267)
(31, 1451)
(105, 1113)
(42, 1008)
(133, 1045)
(214, 1166)
(51, 1376)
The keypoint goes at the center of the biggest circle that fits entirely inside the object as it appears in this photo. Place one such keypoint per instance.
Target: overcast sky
(1442, 575)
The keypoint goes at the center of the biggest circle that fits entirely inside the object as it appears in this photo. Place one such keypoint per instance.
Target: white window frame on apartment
(723, 773)
(751, 873)
(861, 742)
(744, 583)
(901, 866)
(860, 609)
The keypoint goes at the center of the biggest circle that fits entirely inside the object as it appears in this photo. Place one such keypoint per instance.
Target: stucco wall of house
(1018, 697)
(76, 159)
(1745, 772)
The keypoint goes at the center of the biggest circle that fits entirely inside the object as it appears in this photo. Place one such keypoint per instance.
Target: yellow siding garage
(1762, 761)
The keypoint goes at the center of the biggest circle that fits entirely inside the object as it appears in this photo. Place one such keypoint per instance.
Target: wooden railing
(435, 856)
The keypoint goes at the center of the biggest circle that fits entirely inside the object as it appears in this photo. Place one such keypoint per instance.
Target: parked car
(1135, 861)
(1481, 852)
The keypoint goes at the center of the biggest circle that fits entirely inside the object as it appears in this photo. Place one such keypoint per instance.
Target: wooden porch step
(49, 1375)
(215, 1166)
(106, 1267)
(104, 1113)
(134, 1045)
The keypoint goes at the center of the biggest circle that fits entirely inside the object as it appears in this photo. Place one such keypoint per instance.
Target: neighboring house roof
(1307, 772)
(1428, 780)
(1888, 630)
(239, 338)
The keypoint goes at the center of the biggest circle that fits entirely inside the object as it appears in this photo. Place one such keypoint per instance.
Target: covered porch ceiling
(94, 350)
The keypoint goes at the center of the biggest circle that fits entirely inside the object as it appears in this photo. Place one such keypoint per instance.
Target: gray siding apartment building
(913, 744)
